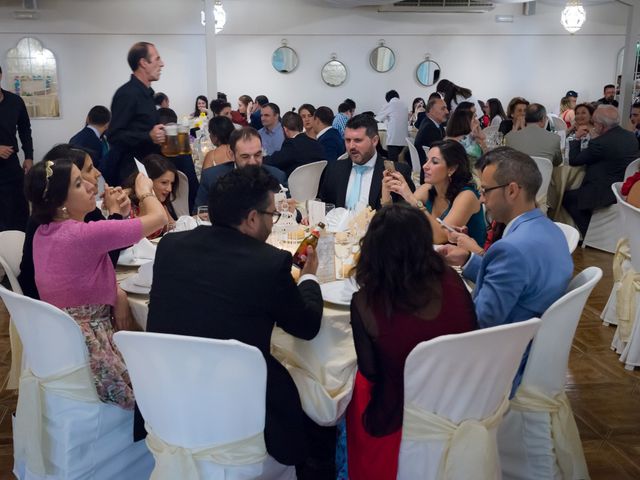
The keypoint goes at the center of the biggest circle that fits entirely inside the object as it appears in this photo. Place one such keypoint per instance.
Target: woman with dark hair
(417, 113)
(72, 267)
(164, 176)
(245, 108)
(464, 127)
(407, 296)
(220, 129)
(306, 112)
(516, 111)
(496, 112)
(448, 192)
(202, 104)
(453, 95)
(115, 201)
(582, 123)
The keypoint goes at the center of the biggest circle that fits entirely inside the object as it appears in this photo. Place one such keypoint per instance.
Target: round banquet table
(563, 178)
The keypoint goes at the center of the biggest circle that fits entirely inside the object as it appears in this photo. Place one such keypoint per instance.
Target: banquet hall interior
(499, 48)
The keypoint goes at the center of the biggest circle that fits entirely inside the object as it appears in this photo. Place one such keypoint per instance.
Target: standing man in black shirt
(14, 209)
(135, 129)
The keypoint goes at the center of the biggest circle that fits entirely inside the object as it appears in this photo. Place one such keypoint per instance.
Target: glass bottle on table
(311, 240)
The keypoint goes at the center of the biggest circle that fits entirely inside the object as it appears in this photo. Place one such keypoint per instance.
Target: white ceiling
(360, 3)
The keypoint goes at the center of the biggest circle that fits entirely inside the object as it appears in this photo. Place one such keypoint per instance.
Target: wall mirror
(31, 72)
(428, 72)
(284, 58)
(334, 72)
(382, 59)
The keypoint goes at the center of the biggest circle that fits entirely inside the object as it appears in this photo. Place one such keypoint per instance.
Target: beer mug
(170, 146)
(184, 146)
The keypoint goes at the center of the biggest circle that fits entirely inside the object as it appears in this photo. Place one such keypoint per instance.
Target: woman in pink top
(72, 266)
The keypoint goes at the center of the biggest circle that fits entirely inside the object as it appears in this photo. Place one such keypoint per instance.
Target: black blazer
(87, 140)
(606, 159)
(296, 152)
(332, 143)
(335, 181)
(428, 133)
(216, 282)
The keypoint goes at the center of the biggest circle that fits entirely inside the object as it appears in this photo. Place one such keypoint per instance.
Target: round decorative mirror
(428, 72)
(334, 72)
(382, 59)
(284, 59)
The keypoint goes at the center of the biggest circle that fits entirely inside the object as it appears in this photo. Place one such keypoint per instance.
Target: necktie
(354, 194)
(105, 146)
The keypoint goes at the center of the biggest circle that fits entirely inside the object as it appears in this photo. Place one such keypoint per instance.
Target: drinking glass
(203, 216)
(343, 248)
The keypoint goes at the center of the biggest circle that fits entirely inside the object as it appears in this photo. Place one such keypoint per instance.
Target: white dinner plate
(129, 286)
(333, 292)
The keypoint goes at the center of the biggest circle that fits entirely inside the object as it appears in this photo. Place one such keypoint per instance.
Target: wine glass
(343, 247)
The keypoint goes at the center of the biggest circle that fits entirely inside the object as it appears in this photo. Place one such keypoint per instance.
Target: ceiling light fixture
(573, 16)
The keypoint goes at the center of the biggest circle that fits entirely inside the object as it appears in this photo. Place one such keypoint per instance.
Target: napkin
(316, 212)
(337, 220)
(185, 223)
(144, 276)
(143, 250)
(349, 288)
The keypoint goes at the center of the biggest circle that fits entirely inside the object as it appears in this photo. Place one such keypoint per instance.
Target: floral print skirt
(109, 371)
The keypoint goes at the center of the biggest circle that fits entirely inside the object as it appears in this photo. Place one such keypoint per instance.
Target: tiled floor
(605, 397)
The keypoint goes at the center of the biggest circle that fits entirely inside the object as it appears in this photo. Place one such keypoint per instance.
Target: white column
(629, 60)
(210, 48)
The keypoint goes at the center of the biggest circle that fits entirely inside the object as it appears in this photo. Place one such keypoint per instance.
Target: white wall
(532, 57)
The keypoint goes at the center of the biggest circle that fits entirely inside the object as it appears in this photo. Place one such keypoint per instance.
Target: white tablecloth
(563, 178)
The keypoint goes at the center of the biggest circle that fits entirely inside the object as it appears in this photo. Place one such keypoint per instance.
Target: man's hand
(311, 265)
(26, 165)
(453, 255)
(157, 134)
(5, 151)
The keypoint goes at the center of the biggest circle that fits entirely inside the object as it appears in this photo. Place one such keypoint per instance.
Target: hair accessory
(48, 171)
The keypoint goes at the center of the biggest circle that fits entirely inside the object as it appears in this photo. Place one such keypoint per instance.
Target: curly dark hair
(400, 278)
(454, 155)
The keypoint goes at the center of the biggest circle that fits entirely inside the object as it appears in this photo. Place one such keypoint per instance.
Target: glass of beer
(184, 147)
(170, 146)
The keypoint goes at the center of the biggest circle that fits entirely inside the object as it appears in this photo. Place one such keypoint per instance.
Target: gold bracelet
(146, 195)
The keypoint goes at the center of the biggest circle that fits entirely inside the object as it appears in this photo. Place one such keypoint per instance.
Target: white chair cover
(413, 152)
(632, 168)
(305, 180)
(539, 438)
(605, 229)
(456, 389)
(203, 401)
(344, 156)
(181, 202)
(546, 169)
(571, 234)
(61, 431)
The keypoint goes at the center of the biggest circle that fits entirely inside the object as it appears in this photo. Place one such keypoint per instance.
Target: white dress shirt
(394, 114)
(365, 186)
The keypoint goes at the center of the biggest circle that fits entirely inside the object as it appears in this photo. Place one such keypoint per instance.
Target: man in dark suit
(91, 138)
(431, 129)
(225, 282)
(330, 139)
(298, 149)
(358, 179)
(606, 159)
(246, 148)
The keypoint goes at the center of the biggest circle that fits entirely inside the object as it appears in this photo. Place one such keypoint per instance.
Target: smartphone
(448, 227)
(389, 166)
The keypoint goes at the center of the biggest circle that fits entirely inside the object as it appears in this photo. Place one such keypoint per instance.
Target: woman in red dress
(407, 296)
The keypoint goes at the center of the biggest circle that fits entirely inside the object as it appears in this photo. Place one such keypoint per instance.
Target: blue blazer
(522, 274)
(211, 175)
(332, 143)
(88, 141)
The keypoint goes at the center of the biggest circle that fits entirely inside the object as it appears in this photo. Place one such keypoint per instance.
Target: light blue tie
(354, 194)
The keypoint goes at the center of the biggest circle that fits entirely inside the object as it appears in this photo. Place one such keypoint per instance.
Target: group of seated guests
(71, 249)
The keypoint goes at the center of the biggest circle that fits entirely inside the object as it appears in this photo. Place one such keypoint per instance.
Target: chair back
(344, 156)
(305, 180)
(630, 220)
(546, 169)
(549, 355)
(571, 234)
(459, 377)
(559, 123)
(11, 242)
(413, 153)
(193, 391)
(632, 168)
(181, 202)
(51, 339)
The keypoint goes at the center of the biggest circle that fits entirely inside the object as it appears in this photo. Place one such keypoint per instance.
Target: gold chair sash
(623, 252)
(30, 441)
(470, 451)
(173, 462)
(626, 303)
(564, 432)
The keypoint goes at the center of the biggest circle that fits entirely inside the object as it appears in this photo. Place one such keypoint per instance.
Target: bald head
(607, 116)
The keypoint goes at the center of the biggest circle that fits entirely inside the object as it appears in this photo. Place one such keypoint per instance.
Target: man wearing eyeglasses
(246, 148)
(224, 282)
(522, 274)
